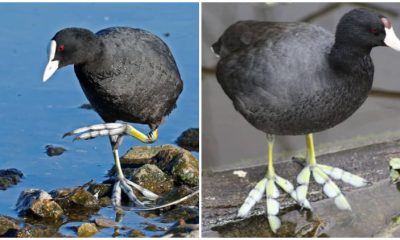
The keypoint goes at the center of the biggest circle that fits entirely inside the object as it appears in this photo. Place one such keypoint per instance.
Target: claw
(129, 192)
(146, 193)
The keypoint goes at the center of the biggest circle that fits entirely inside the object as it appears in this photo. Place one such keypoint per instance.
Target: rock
(152, 178)
(186, 169)
(6, 224)
(178, 193)
(75, 198)
(54, 151)
(140, 155)
(179, 163)
(37, 231)
(177, 213)
(38, 203)
(105, 201)
(189, 139)
(152, 227)
(182, 229)
(136, 234)
(102, 189)
(87, 230)
(105, 223)
(9, 177)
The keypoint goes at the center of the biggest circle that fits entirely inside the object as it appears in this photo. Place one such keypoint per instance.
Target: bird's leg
(110, 129)
(124, 184)
(322, 174)
(269, 185)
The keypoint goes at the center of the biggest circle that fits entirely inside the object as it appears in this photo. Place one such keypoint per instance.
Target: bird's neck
(347, 58)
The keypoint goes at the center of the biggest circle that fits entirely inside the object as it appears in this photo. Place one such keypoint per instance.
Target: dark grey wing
(148, 78)
(246, 33)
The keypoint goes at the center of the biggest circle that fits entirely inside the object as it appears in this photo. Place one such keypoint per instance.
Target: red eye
(61, 48)
(373, 30)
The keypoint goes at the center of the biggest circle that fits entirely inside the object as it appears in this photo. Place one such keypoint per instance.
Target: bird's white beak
(391, 39)
(52, 65)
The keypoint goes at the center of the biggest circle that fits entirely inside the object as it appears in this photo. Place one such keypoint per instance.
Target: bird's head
(69, 46)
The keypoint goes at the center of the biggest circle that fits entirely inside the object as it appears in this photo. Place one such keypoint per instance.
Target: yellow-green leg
(116, 132)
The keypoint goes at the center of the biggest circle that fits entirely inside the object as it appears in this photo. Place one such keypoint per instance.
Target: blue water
(34, 114)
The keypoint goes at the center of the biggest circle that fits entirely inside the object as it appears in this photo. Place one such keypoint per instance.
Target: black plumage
(127, 74)
(298, 78)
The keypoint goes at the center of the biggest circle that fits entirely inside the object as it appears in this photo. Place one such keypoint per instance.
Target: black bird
(128, 75)
(295, 79)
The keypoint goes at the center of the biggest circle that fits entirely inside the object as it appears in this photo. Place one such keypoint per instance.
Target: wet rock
(178, 213)
(9, 177)
(102, 189)
(54, 151)
(179, 163)
(152, 178)
(86, 106)
(186, 169)
(37, 231)
(178, 193)
(105, 201)
(182, 229)
(152, 227)
(394, 170)
(189, 139)
(7, 224)
(38, 203)
(136, 233)
(148, 214)
(105, 223)
(75, 198)
(87, 230)
(140, 155)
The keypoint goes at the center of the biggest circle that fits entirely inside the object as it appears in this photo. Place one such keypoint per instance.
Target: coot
(295, 79)
(128, 75)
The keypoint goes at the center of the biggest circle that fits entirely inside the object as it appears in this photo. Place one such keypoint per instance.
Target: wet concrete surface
(373, 206)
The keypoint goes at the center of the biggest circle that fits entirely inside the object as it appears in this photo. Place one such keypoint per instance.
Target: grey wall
(228, 141)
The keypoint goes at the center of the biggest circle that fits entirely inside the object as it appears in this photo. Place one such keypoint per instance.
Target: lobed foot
(268, 185)
(321, 174)
(112, 129)
(126, 186)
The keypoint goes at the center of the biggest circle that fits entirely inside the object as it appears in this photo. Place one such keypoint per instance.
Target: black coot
(127, 74)
(297, 78)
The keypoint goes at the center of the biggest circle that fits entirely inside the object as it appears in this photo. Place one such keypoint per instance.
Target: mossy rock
(140, 155)
(135, 233)
(87, 230)
(101, 189)
(178, 193)
(9, 177)
(38, 203)
(152, 178)
(37, 231)
(6, 224)
(75, 198)
(189, 139)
